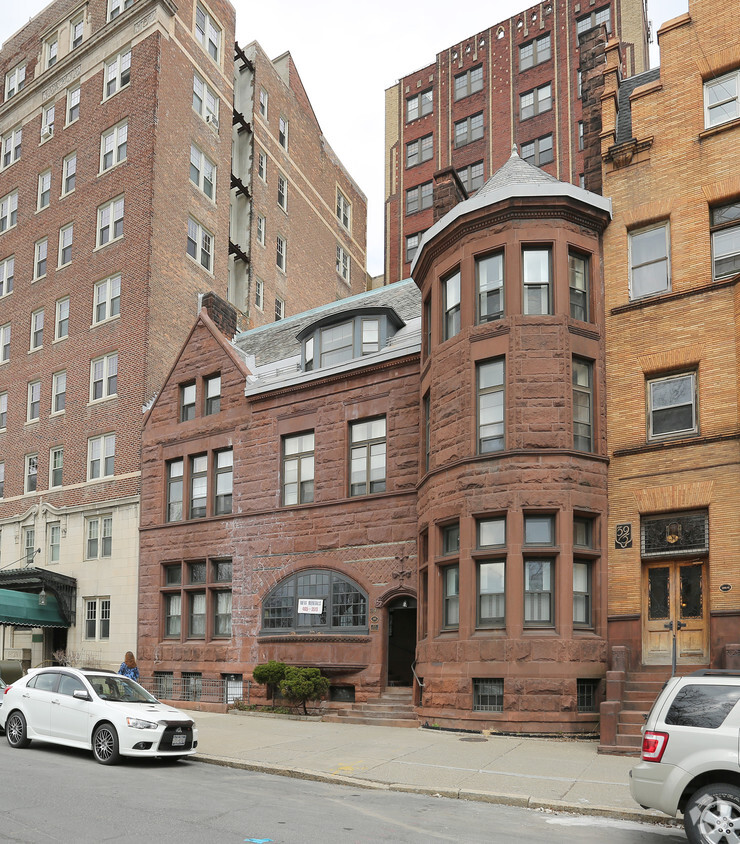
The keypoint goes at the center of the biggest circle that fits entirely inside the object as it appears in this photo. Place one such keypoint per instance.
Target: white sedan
(96, 710)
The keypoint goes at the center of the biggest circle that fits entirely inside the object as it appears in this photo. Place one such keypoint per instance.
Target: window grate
(488, 695)
(675, 535)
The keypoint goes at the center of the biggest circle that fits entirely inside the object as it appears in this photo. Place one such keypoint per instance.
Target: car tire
(710, 810)
(105, 744)
(15, 730)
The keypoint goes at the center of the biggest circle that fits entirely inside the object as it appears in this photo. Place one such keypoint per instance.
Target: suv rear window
(702, 706)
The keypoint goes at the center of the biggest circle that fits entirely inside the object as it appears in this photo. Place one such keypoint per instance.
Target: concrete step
(629, 741)
(384, 707)
(628, 729)
(632, 716)
(336, 718)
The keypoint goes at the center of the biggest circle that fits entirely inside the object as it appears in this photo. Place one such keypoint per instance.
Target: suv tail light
(7, 689)
(653, 746)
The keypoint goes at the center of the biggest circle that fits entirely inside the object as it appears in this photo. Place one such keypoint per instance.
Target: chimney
(226, 317)
(592, 51)
(448, 191)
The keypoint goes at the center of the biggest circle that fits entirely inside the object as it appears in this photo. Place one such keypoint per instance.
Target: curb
(519, 800)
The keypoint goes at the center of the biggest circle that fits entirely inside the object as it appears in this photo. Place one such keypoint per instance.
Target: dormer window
(336, 340)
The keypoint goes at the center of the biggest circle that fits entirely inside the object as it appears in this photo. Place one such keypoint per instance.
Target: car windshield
(119, 688)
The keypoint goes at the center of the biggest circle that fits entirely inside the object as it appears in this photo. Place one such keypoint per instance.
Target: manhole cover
(473, 738)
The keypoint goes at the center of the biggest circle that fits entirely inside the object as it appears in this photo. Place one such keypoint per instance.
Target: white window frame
(200, 245)
(9, 211)
(31, 470)
(5, 342)
(7, 276)
(117, 73)
(55, 541)
(61, 318)
(208, 100)
(636, 233)
(37, 327)
(283, 128)
(40, 258)
(279, 308)
(58, 392)
(73, 104)
(262, 166)
(104, 377)
(344, 263)
(113, 145)
(33, 401)
(11, 146)
(726, 99)
(115, 7)
(264, 103)
(204, 170)
(66, 238)
(282, 192)
(97, 613)
(48, 113)
(107, 293)
(261, 229)
(208, 33)
(680, 433)
(44, 192)
(109, 215)
(56, 465)
(77, 21)
(103, 530)
(69, 173)
(281, 253)
(3, 414)
(259, 294)
(725, 239)
(100, 450)
(15, 80)
(344, 211)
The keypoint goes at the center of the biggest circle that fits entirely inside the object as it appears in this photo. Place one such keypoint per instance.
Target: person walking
(129, 667)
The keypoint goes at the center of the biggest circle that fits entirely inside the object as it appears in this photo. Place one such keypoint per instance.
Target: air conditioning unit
(210, 118)
(47, 132)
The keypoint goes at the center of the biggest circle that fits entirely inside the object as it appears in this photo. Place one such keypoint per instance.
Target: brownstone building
(517, 82)
(671, 151)
(400, 489)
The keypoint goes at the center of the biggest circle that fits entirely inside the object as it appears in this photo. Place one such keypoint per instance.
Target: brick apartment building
(116, 198)
(671, 150)
(429, 470)
(517, 82)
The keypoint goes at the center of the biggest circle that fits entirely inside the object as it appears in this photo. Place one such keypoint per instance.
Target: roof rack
(715, 672)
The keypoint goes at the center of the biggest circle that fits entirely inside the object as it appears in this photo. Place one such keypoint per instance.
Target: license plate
(179, 740)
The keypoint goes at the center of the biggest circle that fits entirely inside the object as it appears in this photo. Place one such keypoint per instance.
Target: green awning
(22, 610)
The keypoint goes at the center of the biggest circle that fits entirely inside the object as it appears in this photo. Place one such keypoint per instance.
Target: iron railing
(197, 688)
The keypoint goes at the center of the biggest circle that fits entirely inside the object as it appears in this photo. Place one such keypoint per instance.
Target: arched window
(315, 600)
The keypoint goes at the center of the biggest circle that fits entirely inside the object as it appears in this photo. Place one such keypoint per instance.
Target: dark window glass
(702, 706)
(488, 695)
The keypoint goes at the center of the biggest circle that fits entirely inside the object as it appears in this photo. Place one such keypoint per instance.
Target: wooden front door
(675, 592)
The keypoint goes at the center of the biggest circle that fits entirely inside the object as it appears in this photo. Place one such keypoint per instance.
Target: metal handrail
(413, 671)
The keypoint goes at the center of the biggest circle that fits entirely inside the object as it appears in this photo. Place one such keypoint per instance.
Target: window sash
(672, 405)
(492, 594)
(649, 261)
(491, 405)
(538, 593)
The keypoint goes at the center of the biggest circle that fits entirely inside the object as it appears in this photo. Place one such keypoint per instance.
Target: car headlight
(139, 724)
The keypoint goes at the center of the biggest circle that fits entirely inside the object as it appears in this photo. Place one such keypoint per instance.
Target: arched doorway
(401, 640)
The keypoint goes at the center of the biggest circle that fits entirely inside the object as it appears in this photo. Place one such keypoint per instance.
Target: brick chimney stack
(448, 191)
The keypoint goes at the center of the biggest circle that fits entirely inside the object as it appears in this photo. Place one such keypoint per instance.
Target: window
(282, 192)
(427, 409)
(73, 104)
(491, 533)
(586, 690)
(115, 7)
(3, 412)
(55, 541)
(198, 486)
(468, 130)
(419, 105)
(260, 230)
(315, 599)
(725, 222)
(582, 593)
(469, 82)
(58, 392)
(419, 198)
(259, 294)
(8, 211)
(451, 596)
(281, 248)
(117, 73)
(539, 530)
(2, 477)
(412, 244)
(702, 706)
(101, 453)
(535, 102)
(538, 597)
(367, 456)
(5, 343)
(97, 618)
(578, 279)
(44, 192)
(76, 31)
(69, 173)
(337, 344)
(113, 144)
(583, 405)
(33, 409)
(370, 336)
(264, 100)
(283, 133)
(41, 249)
(224, 481)
(721, 103)
(107, 303)
(208, 33)
(104, 377)
(650, 266)
(451, 539)
(471, 176)
(539, 151)
(580, 135)
(213, 395)
(343, 263)
(536, 268)
(29, 544)
(298, 469)
(31, 476)
(279, 308)
(488, 695)
(37, 329)
(596, 18)
(110, 221)
(56, 465)
(202, 172)
(262, 166)
(205, 100)
(187, 402)
(61, 320)
(7, 276)
(344, 210)
(200, 244)
(451, 297)
(174, 490)
(672, 406)
(427, 336)
(47, 122)
(172, 616)
(419, 150)
(11, 146)
(489, 282)
(15, 80)
(222, 613)
(535, 52)
(583, 532)
(490, 378)
(66, 236)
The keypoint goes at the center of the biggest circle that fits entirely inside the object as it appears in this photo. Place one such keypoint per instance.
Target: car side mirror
(81, 694)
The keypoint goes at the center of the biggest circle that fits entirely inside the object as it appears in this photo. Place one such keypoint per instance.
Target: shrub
(303, 684)
(270, 674)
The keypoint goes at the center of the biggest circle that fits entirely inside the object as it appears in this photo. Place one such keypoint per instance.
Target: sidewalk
(558, 774)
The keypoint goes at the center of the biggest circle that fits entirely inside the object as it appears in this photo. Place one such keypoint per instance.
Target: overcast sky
(347, 55)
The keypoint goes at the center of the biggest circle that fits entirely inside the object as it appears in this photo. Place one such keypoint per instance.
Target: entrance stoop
(394, 708)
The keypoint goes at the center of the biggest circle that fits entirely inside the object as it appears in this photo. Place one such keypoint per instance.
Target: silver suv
(691, 756)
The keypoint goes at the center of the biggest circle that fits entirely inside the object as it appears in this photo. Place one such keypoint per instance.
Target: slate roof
(626, 87)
